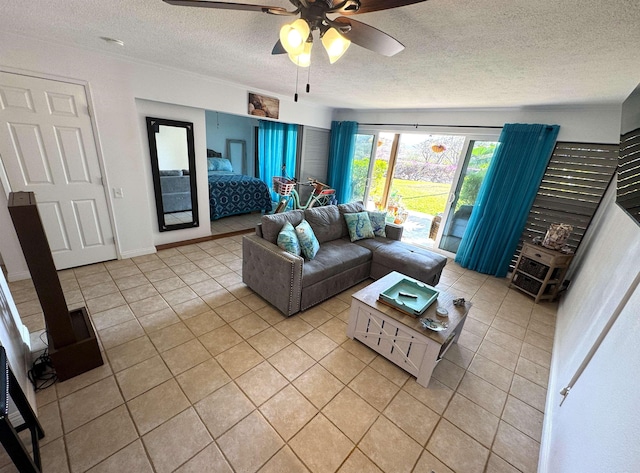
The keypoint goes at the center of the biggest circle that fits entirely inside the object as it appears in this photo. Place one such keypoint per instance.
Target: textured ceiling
(459, 53)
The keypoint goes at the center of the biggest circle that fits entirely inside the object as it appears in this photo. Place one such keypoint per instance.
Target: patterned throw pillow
(308, 241)
(288, 240)
(359, 226)
(219, 164)
(378, 223)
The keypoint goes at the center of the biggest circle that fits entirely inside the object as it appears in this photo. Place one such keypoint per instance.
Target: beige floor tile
(111, 317)
(191, 308)
(448, 373)
(232, 310)
(205, 287)
(457, 450)
(351, 414)
(476, 327)
(359, 350)
(459, 355)
(316, 316)
(416, 419)
(93, 442)
(218, 298)
(247, 456)
(239, 359)
(203, 379)
(102, 303)
(321, 446)
(316, 344)
(176, 441)
(119, 334)
(185, 356)
(537, 355)
(159, 273)
(499, 355)
(270, 315)
(374, 388)
(293, 328)
(148, 306)
(483, 393)
(472, 419)
(389, 447)
(498, 465)
(517, 448)
(334, 306)
(523, 417)
(357, 462)
(436, 396)
(171, 336)
(124, 271)
(131, 458)
(492, 372)
(169, 284)
(539, 341)
(102, 277)
(249, 325)
(510, 328)
(504, 340)
(157, 405)
(99, 290)
(335, 329)
(209, 459)
(140, 378)
(138, 293)
(204, 322)
(284, 461)
(533, 372)
(220, 339)
(223, 408)
(288, 411)
(254, 302)
(269, 342)
(88, 403)
(158, 320)
(342, 364)
(131, 353)
(54, 457)
(318, 385)
(51, 422)
(430, 464)
(65, 388)
(469, 340)
(190, 277)
(291, 361)
(128, 282)
(261, 382)
(529, 392)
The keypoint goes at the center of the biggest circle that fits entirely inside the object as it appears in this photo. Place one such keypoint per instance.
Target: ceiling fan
(336, 34)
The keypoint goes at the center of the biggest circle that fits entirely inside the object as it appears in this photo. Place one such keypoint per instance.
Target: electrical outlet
(118, 193)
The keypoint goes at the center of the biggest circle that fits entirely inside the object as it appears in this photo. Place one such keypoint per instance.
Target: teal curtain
(343, 142)
(505, 198)
(277, 148)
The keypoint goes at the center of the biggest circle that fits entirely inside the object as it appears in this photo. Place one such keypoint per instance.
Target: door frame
(4, 180)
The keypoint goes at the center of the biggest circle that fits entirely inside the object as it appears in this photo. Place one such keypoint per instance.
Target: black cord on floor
(42, 374)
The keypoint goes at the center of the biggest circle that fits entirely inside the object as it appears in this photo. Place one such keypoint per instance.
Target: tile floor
(235, 223)
(201, 375)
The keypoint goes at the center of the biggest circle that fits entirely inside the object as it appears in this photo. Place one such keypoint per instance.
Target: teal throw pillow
(308, 241)
(359, 226)
(288, 240)
(378, 223)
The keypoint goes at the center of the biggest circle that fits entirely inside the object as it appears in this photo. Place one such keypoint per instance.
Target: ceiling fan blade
(370, 38)
(230, 6)
(278, 48)
(367, 6)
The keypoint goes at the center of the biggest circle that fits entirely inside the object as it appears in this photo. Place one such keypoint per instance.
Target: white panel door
(47, 147)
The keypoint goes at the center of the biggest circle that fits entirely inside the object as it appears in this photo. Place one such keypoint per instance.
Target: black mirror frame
(153, 125)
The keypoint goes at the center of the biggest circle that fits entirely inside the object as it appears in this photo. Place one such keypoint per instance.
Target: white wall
(114, 84)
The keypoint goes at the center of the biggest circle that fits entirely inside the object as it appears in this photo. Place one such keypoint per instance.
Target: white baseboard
(18, 275)
(140, 252)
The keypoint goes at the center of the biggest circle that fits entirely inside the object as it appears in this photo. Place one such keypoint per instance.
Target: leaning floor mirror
(173, 165)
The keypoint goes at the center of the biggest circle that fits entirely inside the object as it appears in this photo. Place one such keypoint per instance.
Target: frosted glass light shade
(335, 44)
(304, 58)
(294, 36)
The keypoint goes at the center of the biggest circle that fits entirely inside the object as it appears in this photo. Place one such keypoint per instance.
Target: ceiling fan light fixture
(335, 44)
(304, 58)
(293, 36)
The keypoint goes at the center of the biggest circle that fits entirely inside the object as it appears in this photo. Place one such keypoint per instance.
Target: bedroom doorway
(47, 147)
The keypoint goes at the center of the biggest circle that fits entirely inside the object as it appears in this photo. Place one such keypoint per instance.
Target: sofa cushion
(288, 240)
(350, 208)
(418, 263)
(378, 223)
(359, 226)
(325, 222)
(273, 223)
(308, 241)
(334, 257)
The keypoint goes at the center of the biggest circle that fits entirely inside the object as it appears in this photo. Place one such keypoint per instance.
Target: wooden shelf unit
(540, 271)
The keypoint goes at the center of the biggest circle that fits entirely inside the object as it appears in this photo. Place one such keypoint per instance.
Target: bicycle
(322, 194)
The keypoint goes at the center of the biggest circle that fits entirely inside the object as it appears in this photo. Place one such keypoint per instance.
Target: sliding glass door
(421, 181)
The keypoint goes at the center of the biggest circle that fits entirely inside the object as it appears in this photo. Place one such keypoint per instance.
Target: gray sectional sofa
(291, 283)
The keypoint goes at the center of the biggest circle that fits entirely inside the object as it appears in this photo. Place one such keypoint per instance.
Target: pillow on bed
(219, 164)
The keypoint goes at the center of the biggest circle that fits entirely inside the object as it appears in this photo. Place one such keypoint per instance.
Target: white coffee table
(399, 337)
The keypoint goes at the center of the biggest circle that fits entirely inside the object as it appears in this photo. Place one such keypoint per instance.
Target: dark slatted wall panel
(571, 190)
(628, 196)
